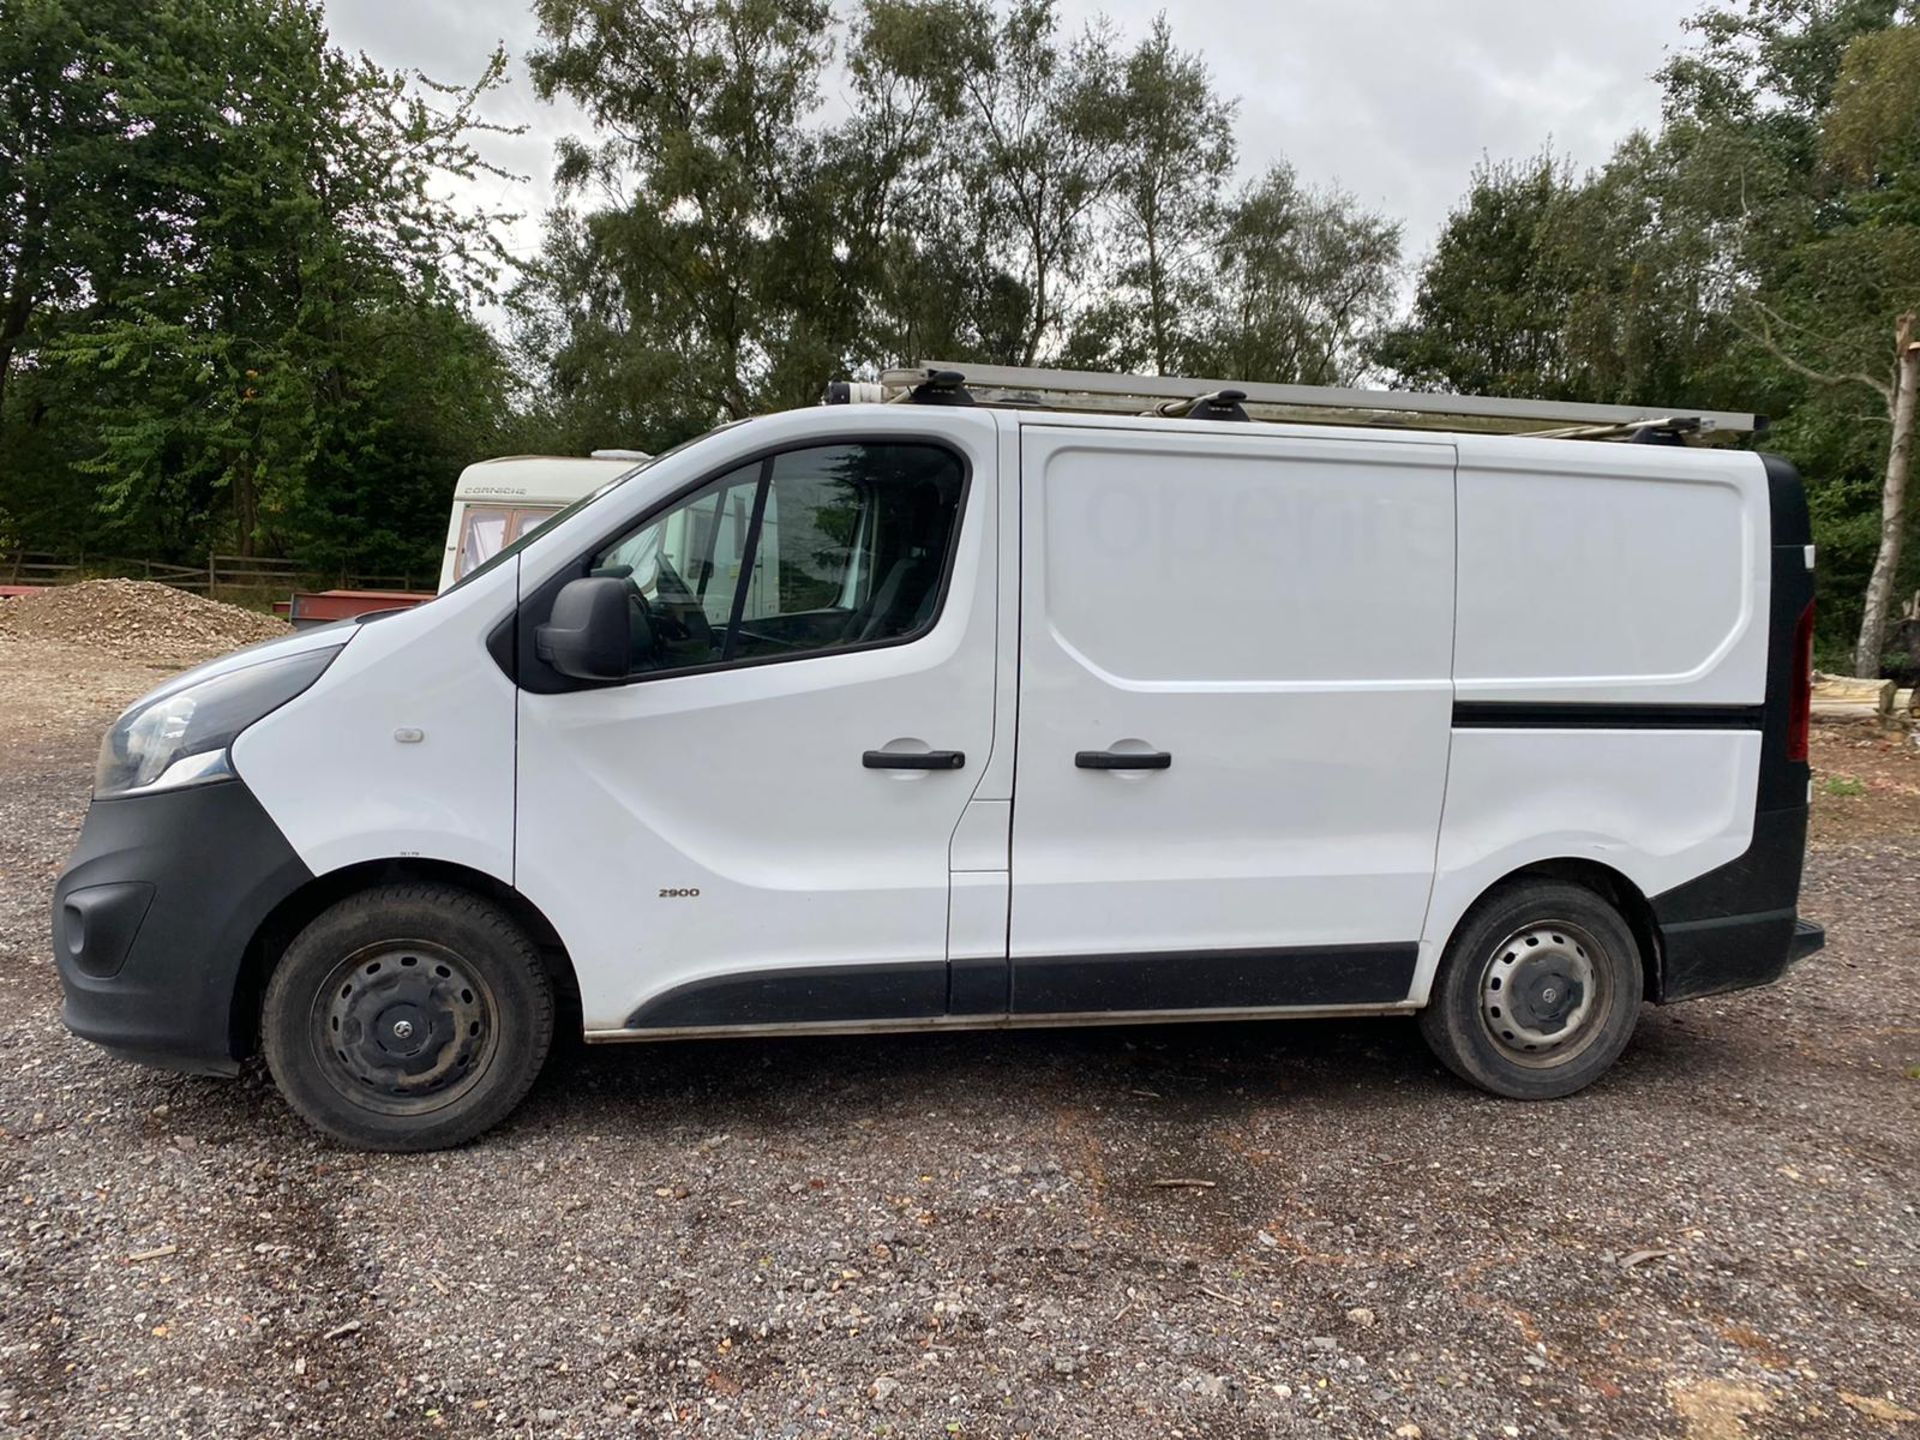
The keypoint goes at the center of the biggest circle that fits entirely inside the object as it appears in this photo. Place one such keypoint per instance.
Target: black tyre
(1537, 993)
(410, 1017)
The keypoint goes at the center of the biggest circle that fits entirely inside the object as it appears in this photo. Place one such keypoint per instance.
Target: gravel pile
(136, 618)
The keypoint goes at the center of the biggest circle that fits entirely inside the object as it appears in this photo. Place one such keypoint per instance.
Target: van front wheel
(409, 1017)
(1537, 993)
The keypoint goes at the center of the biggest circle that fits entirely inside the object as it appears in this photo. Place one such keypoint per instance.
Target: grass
(1843, 785)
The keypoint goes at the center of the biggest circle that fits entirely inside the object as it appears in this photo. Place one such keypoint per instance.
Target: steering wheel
(642, 656)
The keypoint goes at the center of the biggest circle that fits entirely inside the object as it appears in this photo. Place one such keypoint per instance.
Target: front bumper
(153, 916)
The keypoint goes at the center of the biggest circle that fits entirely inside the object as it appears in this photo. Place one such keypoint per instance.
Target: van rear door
(1235, 696)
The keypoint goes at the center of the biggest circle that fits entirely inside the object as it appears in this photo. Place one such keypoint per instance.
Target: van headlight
(180, 736)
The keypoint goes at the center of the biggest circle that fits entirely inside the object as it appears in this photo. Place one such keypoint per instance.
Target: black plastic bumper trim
(802, 995)
(1808, 939)
(1727, 952)
(216, 866)
(99, 923)
(1582, 715)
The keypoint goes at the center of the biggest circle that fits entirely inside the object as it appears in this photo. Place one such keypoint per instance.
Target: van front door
(754, 829)
(1234, 713)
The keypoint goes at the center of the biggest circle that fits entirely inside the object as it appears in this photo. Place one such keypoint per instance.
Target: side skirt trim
(994, 1022)
(1284, 977)
(1152, 983)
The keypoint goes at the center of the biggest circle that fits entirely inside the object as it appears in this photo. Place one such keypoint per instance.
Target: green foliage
(1303, 281)
(255, 333)
(1490, 313)
(1175, 152)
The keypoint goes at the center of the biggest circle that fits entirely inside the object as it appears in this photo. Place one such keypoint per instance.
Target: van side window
(809, 551)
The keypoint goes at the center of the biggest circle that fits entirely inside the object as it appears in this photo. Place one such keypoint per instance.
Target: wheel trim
(1545, 992)
(404, 1028)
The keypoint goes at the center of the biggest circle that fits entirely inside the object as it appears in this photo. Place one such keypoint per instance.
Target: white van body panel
(1275, 611)
(745, 784)
(1659, 807)
(343, 787)
(1624, 573)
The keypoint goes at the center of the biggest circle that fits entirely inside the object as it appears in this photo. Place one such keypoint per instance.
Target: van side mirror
(589, 635)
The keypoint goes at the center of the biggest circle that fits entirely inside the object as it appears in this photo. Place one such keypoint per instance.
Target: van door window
(821, 549)
(684, 567)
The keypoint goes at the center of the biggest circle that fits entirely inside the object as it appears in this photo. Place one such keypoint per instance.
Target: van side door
(754, 828)
(1234, 707)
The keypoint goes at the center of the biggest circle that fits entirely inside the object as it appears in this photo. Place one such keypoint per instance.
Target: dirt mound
(140, 619)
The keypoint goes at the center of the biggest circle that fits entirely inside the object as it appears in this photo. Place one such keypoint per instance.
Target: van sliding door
(1234, 712)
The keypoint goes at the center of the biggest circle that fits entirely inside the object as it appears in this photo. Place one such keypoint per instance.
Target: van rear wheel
(409, 1017)
(1538, 991)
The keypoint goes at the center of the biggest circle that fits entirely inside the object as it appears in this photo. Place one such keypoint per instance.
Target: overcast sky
(1394, 100)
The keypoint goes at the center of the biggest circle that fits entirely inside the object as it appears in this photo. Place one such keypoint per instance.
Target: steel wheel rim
(1545, 992)
(404, 1027)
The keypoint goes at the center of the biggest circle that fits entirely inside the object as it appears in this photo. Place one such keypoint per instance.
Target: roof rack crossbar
(1120, 394)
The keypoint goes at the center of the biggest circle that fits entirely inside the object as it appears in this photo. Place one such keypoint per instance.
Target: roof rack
(943, 382)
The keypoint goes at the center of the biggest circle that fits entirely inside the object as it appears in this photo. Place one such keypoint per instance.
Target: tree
(1490, 312)
(1304, 280)
(1878, 605)
(1176, 151)
(79, 173)
(924, 243)
(210, 358)
(1048, 156)
(711, 269)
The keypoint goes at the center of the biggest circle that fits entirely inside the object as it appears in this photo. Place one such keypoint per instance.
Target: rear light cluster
(1800, 697)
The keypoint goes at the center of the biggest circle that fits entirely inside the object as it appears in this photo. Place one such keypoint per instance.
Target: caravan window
(821, 549)
(485, 530)
(482, 533)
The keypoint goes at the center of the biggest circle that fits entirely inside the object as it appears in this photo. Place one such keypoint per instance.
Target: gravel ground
(975, 1235)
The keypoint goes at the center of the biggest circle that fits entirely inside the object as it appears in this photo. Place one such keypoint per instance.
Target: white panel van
(932, 714)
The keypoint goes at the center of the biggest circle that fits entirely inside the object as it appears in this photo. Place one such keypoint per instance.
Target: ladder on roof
(1092, 392)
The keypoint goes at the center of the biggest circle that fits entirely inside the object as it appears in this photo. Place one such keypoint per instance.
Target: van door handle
(1123, 760)
(914, 759)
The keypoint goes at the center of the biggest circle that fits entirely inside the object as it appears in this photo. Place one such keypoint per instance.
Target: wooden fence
(248, 576)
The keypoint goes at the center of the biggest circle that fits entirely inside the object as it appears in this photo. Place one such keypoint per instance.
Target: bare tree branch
(1764, 338)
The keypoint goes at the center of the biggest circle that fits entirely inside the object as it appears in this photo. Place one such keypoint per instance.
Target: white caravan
(990, 705)
(496, 502)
